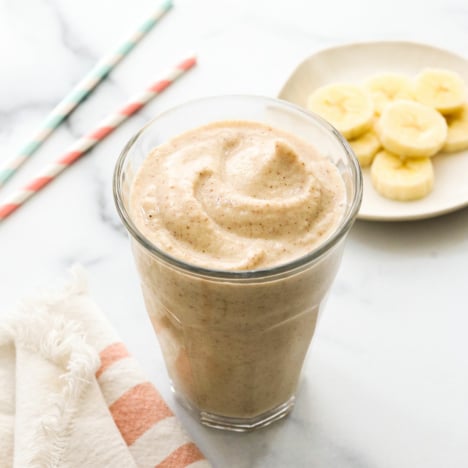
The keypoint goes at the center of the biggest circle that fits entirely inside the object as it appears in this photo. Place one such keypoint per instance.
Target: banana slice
(386, 87)
(402, 179)
(457, 135)
(411, 129)
(441, 89)
(365, 147)
(347, 107)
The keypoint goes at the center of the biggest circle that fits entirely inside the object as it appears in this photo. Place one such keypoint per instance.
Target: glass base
(227, 423)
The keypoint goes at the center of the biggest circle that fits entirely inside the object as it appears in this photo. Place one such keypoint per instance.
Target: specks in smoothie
(237, 195)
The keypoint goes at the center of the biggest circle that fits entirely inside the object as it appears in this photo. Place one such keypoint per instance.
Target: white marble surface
(386, 382)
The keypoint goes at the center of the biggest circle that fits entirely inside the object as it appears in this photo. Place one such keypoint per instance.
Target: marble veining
(385, 382)
(106, 212)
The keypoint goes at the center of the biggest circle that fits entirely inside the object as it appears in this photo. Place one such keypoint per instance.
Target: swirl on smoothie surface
(237, 196)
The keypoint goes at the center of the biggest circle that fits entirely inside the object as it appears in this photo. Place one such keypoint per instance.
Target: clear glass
(234, 342)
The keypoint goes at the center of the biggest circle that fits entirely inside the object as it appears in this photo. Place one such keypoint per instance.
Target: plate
(355, 63)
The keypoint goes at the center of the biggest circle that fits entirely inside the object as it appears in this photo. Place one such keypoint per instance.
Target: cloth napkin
(72, 396)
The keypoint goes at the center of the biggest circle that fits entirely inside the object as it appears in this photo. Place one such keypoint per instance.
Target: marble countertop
(385, 384)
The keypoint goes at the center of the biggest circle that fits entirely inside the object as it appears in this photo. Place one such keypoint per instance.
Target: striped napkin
(72, 396)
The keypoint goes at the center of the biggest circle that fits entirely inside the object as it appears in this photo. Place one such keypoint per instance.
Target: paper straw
(79, 93)
(84, 144)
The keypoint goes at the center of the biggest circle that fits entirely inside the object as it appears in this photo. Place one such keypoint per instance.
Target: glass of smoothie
(237, 209)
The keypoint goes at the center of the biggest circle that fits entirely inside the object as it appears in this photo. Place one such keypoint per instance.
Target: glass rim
(316, 253)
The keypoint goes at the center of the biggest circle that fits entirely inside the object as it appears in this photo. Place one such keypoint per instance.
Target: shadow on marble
(299, 441)
(413, 236)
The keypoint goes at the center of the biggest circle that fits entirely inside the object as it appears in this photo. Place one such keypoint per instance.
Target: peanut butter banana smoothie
(233, 210)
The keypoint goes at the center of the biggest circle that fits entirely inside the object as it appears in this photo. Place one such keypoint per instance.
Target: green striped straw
(80, 92)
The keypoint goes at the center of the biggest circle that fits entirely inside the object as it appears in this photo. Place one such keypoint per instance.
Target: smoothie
(236, 196)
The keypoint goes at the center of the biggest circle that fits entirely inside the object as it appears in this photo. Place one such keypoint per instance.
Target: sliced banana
(411, 129)
(441, 89)
(402, 179)
(365, 147)
(457, 135)
(347, 107)
(386, 87)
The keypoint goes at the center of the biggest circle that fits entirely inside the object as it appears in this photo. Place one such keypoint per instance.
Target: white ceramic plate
(356, 62)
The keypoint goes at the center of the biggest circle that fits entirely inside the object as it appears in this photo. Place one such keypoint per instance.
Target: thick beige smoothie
(235, 196)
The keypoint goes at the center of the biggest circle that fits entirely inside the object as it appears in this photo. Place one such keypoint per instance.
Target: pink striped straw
(84, 144)
(80, 92)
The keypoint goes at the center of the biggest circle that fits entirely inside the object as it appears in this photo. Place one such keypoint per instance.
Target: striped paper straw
(84, 144)
(79, 93)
